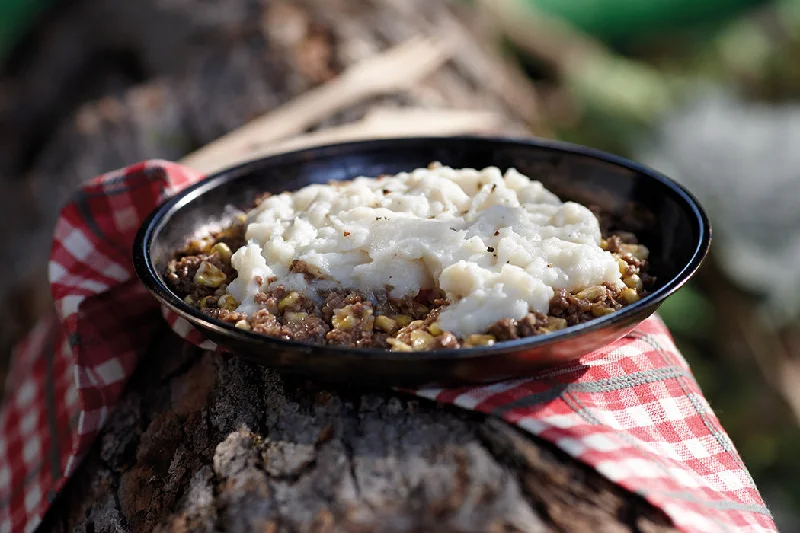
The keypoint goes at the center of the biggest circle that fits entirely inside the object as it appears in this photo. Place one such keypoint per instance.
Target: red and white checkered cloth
(632, 410)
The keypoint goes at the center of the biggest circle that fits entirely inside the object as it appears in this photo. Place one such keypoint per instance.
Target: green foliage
(15, 18)
(623, 21)
(688, 313)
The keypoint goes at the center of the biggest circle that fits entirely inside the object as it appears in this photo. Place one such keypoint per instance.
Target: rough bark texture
(204, 443)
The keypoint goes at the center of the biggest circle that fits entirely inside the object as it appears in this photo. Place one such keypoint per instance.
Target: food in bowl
(423, 260)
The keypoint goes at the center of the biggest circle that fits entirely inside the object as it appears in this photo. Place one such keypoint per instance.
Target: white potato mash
(497, 244)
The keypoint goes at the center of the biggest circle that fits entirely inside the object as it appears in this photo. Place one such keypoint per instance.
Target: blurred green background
(17, 16)
(707, 92)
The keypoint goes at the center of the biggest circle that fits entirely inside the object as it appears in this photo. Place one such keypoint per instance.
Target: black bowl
(660, 212)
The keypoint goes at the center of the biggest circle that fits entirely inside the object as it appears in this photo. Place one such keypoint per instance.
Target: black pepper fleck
(491, 249)
(496, 233)
(346, 233)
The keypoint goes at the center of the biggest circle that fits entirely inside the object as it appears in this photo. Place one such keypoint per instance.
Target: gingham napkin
(632, 410)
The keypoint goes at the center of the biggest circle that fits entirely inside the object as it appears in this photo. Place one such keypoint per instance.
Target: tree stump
(205, 443)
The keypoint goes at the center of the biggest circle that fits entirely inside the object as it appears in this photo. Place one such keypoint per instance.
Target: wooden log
(206, 443)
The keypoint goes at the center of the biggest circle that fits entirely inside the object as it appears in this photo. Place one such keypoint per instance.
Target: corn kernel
(636, 250)
(222, 250)
(402, 320)
(601, 310)
(384, 323)
(242, 324)
(226, 301)
(629, 295)
(592, 293)
(367, 320)
(421, 339)
(343, 319)
(480, 340)
(295, 317)
(190, 299)
(206, 302)
(209, 275)
(398, 345)
(555, 323)
(291, 299)
(622, 264)
(634, 282)
(198, 246)
(435, 329)
(604, 244)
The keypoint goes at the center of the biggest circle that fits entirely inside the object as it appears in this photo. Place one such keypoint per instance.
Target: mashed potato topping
(497, 244)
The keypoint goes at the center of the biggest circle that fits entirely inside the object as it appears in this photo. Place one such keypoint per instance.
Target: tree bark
(207, 443)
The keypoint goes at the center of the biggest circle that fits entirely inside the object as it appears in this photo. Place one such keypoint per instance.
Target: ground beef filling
(200, 272)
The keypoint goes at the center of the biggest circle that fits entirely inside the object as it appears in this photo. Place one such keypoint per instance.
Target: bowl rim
(157, 219)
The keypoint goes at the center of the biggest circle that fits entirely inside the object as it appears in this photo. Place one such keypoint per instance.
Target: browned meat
(180, 274)
(266, 323)
(408, 305)
(308, 271)
(201, 271)
(268, 301)
(532, 324)
(352, 325)
(225, 315)
(306, 328)
(504, 330)
(337, 300)
(447, 340)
